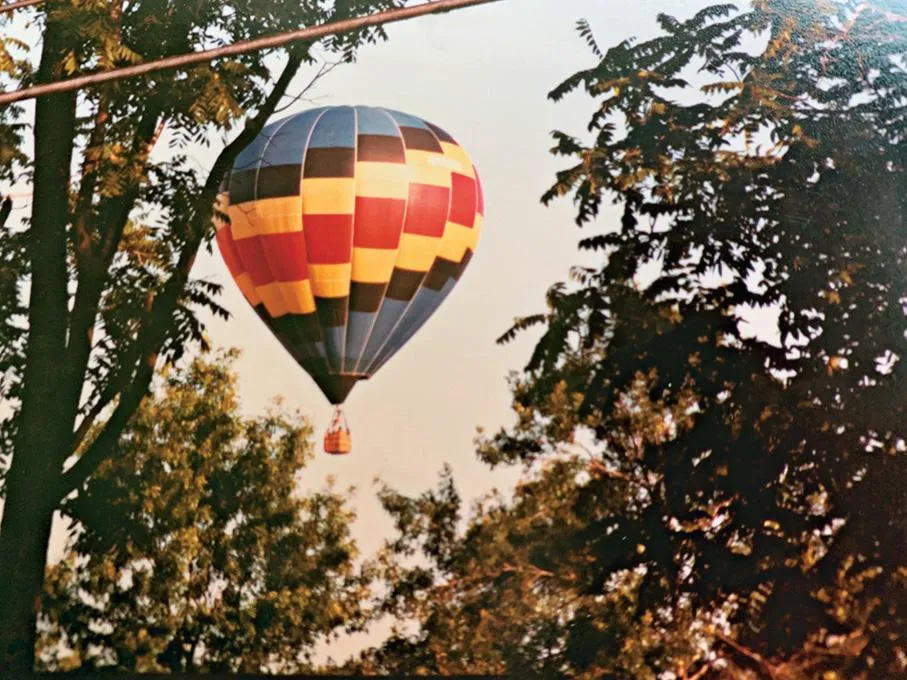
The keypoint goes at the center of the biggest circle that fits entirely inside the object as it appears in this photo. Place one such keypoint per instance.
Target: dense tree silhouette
(698, 500)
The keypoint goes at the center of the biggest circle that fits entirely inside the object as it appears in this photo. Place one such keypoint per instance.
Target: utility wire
(243, 47)
(19, 5)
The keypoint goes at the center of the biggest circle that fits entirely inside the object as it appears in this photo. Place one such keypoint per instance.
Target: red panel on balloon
(462, 200)
(253, 257)
(426, 210)
(378, 222)
(480, 194)
(329, 238)
(228, 252)
(286, 255)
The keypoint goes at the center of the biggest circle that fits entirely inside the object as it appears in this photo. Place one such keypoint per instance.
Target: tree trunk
(45, 425)
(24, 536)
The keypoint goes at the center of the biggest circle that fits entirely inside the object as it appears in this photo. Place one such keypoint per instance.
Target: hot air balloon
(345, 228)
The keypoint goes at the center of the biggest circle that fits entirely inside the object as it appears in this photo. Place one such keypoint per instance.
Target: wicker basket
(338, 443)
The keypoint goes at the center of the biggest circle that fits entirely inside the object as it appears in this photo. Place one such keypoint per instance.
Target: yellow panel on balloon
(373, 265)
(477, 226)
(330, 280)
(273, 300)
(297, 295)
(457, 154)
(276, 215)
(382, 180)
(328, 196)
(429, 167)
(267, 216)
(244, 283)
(456, 240)
(417, 252)
(241, 226)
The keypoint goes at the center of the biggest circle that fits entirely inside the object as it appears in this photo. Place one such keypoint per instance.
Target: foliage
(96, 284)
(193, 550)
(700, 502)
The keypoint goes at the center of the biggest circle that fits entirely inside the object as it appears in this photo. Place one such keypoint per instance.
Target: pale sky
(483, 75)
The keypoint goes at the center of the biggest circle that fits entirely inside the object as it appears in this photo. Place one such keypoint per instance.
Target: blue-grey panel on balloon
(424, 302)
(407, 120)
(335, 128)
(250, 157)
(287, 144)
(391, 311)
(319, 349)
(415, 323)
(372, 121)
(334, 337)
(359, 326)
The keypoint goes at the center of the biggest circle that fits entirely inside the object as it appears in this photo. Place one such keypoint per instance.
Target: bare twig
(324, 69)
(309, 34)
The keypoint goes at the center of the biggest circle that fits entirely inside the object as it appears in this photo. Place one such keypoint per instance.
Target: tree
(739, 509)
(511, 594)
(193, 550)
(97, 289)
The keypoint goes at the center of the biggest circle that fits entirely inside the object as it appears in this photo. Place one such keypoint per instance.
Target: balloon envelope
(345, 228)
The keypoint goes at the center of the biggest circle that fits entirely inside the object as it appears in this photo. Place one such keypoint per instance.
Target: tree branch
(5, 209)
(306, 34)
(748, 654)
(90, 168)
(94, 275)
(89, 418)
(162, 306)
(701, 673)
(90, 164)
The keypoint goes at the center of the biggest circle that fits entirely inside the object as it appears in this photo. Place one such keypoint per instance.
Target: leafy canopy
(193, 549)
